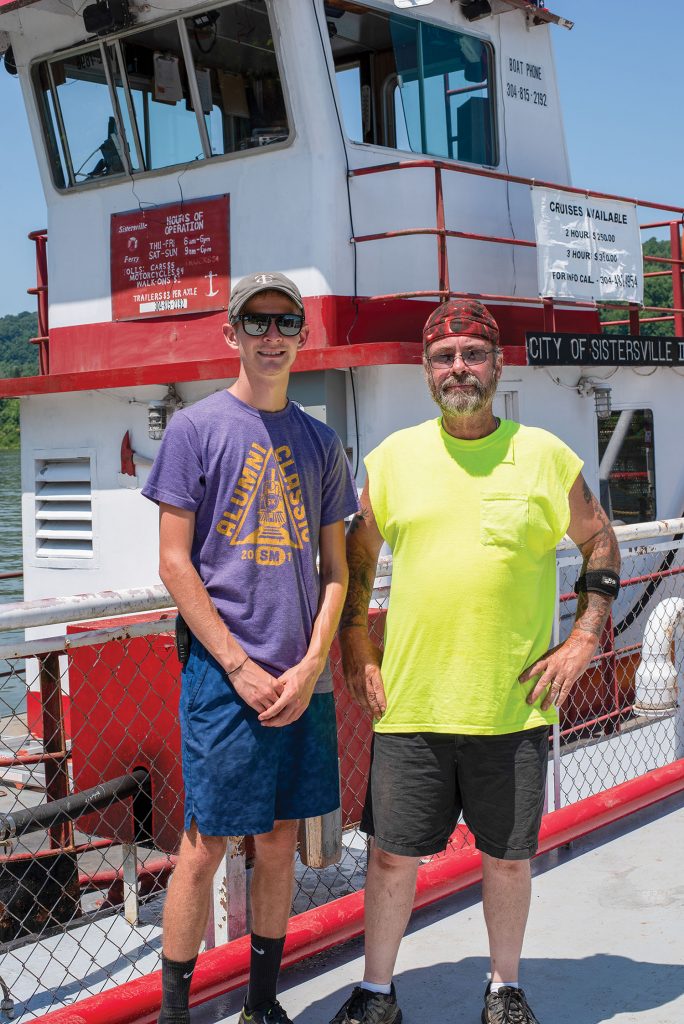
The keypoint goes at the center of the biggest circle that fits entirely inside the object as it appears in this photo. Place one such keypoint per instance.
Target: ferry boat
(385, 156)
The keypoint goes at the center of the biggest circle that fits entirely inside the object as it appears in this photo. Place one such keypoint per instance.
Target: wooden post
(54, 742)
(228, 899)
(320, 839)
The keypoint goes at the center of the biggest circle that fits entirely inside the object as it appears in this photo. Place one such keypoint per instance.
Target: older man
(465, 692)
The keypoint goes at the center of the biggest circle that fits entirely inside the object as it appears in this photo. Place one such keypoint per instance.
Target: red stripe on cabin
(343, 332)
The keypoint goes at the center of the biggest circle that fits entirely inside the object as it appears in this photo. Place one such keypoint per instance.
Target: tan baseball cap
(262, 282)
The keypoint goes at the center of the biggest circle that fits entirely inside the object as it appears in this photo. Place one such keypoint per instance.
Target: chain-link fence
(91, 805)
(622, 718)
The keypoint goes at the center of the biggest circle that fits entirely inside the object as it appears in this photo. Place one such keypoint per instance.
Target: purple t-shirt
(261, 485)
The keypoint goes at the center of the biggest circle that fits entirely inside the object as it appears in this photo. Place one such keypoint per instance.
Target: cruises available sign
(172, 259)
(602, 350)
(587, 249)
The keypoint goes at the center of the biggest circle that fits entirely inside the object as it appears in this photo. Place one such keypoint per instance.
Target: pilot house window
(627, 466)
(412, 85)
(164, 95)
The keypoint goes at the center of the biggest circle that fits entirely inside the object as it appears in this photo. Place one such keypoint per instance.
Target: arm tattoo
(360, 590)
(600, 551)
(592, 613)
(356, 522)
(588, 496)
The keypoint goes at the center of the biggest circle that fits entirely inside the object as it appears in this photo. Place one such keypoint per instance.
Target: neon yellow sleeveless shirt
(473, 527)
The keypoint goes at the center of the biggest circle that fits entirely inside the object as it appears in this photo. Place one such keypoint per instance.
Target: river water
(11, 688)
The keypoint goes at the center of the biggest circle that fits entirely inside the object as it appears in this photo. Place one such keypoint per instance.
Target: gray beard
(456, 403)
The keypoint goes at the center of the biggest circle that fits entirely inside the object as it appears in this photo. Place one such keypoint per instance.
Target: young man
(473, 508)
(250, 490)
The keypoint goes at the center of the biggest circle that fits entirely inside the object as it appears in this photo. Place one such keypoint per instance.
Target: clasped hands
(279, 701)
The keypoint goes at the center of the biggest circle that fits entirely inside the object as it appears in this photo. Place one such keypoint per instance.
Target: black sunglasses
(256, 324)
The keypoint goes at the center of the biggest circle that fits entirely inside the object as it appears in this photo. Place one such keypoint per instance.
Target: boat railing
(442, 233)
(91, 808)
(42, 339)
(670, 266)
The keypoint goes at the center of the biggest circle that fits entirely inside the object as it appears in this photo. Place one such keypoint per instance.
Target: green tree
(657, 292)
(17, 359)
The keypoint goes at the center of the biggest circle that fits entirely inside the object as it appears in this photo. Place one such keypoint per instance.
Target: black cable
(648, 592)
(212, 44)
(356, 420)
(499, 66)
(348, 169)
(351, 225)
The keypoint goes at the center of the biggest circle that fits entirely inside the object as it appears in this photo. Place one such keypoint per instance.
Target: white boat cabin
(247, 130)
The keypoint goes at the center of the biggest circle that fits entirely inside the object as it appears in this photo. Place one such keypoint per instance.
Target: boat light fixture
(106, 16)
(160, 411)
(474, 10)
(9, 61)
(601, 392)
(411, 3)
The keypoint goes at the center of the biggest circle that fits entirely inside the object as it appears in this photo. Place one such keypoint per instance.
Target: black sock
(176, 979)
(263, 970)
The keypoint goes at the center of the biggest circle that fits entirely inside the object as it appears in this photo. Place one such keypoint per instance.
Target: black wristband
(599, 581)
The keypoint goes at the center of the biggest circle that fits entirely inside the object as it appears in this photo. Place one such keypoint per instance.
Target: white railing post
(555, 732)
(228, 916)
(130, 882)
(679, 707)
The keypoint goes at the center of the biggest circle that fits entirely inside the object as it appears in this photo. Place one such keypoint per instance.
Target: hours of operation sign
(171, 259)
(587, 248)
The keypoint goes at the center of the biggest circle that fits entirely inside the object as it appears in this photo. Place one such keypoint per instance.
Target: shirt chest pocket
(504, 520)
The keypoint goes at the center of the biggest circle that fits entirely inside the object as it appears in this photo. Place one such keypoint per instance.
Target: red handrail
(677, 291)
(226, 967)
(42, 339)
(443, 291)
(480, 172)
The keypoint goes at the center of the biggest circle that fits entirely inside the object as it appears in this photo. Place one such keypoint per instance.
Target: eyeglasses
(256, 324)
(470, 356)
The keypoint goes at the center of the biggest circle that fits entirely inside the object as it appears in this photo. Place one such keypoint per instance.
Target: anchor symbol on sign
(212, 291)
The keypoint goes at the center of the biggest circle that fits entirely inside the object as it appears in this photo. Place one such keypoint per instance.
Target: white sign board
(587, 248)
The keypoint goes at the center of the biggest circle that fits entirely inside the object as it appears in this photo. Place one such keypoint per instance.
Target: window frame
(60, 154)
(494, 105)
(634, 406)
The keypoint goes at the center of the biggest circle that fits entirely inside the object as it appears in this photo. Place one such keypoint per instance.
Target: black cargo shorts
(420, 783)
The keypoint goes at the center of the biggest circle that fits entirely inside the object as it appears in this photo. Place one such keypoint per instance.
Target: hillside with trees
(17, 359)
(657, 292)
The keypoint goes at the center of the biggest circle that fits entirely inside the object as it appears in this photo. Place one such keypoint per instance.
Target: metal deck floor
(605, 941)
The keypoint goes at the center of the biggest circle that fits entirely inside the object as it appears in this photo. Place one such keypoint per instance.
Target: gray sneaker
(507, 1006)
(364, 1007)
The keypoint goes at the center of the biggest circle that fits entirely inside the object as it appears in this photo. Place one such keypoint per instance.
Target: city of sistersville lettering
(266, 514)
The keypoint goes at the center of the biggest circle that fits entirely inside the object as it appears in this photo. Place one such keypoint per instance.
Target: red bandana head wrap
(460, 317)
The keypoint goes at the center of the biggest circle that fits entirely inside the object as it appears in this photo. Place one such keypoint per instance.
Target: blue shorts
(240, 776)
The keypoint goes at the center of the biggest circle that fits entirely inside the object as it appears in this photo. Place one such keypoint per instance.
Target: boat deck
(604, 941)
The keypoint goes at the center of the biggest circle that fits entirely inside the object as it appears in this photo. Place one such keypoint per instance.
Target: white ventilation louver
(64, 511)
